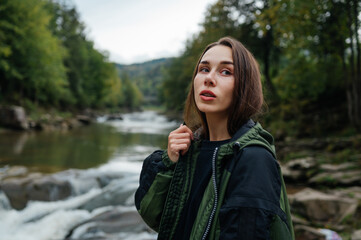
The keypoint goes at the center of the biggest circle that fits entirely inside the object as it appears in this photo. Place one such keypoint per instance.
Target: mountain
(147, 76)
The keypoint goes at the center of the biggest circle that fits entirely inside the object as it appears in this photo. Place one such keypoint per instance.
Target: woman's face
(214, 81)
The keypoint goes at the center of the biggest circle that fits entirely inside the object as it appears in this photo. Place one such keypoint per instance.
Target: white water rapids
(52, 220)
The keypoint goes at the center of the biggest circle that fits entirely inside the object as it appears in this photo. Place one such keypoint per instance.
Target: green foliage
(47, 60)
(132, 97)
(303, 48)
(92, 78)
(30, 56)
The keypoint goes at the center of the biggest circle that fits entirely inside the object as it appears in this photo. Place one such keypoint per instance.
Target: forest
(309, 53)
(47, 61)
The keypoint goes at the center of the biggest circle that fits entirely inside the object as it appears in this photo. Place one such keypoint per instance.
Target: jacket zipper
(216, 194)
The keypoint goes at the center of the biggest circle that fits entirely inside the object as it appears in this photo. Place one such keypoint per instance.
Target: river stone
(48, 189)
(308, 233)
(15, 189)
(13, 171)
(337, 167)
(109, 224)
(116, 193)
(339, 178)
(13, 117)
(351, 192)
(356, 235)
(321, 208)
(84, 119)
(298, 169)
(34, 186)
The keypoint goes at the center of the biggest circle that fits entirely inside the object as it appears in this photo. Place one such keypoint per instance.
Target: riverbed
(82, 156)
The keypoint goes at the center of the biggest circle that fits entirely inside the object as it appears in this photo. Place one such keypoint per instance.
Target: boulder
(337, 167)
(13, 171)
(13, 117)
(21, 186)
(343, 178)
(116, 193)
(109, 225)
(15, 189)
(34, 186)
(298, 170)
(114, 117)
(356, 235)
(84, 119)
(322, 208)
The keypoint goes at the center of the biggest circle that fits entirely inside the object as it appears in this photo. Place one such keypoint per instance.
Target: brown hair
(247, 94)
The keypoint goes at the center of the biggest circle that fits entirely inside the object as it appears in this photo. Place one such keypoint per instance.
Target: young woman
(218, 178)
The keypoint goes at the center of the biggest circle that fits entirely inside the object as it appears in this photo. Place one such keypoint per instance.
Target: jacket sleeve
(154, 182)
(251, 208)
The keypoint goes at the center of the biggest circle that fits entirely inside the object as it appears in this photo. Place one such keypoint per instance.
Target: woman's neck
(217, 127)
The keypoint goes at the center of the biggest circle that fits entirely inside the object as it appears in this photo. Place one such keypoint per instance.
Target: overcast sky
(140, 30)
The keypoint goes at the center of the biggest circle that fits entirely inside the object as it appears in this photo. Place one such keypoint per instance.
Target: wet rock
(34, 186)
(13, 171)
(114, 117)
(13, 117)
(4, 202)
(48, 189)
(322, 208)
(308, 233)
(110, 224)
(118, 192)
(356, 235)
(84, 119)
(21, 186)
(298, 170)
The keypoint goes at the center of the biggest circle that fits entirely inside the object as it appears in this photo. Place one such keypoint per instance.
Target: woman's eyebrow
(223, 62)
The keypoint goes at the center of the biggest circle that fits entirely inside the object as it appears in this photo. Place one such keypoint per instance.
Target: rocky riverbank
(97, 203)
(15, 117)
(328, 183)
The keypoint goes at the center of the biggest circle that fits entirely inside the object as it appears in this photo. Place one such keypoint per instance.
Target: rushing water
(104, 147)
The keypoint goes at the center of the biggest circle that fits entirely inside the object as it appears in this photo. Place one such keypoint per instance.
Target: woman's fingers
(178, 142)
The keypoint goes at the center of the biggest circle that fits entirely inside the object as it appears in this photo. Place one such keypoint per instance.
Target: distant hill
(147, 76)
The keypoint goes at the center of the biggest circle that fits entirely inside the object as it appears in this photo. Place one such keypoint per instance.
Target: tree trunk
(354, 76)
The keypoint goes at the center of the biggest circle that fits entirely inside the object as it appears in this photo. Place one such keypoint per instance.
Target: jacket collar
(245, 128)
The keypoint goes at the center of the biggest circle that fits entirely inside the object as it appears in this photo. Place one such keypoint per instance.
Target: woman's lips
(207, 95)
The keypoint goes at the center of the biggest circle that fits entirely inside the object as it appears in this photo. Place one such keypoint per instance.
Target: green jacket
(245, 198)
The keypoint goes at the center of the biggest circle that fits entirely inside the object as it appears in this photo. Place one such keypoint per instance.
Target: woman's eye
(226, 72)
(203, 70)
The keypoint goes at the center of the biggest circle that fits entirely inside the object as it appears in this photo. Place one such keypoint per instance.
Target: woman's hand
(178, 142)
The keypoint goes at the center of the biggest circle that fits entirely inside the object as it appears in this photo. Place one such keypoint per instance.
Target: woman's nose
(210, 80)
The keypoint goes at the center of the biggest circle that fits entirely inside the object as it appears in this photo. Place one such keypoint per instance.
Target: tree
(132, 97)
(30, 56)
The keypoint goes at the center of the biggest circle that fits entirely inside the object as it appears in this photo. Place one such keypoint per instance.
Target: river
(114, 148)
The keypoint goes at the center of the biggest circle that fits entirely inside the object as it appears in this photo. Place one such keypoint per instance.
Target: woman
(218, 178)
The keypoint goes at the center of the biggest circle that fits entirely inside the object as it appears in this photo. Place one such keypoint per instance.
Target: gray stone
(321, 208)
(34, 186)
(109, 224)
(339, 178)
(298, 169)
(356, 235)
(337, 167)
(13, 117)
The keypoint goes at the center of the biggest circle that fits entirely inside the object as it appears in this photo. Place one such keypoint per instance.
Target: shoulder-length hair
(247, 98)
